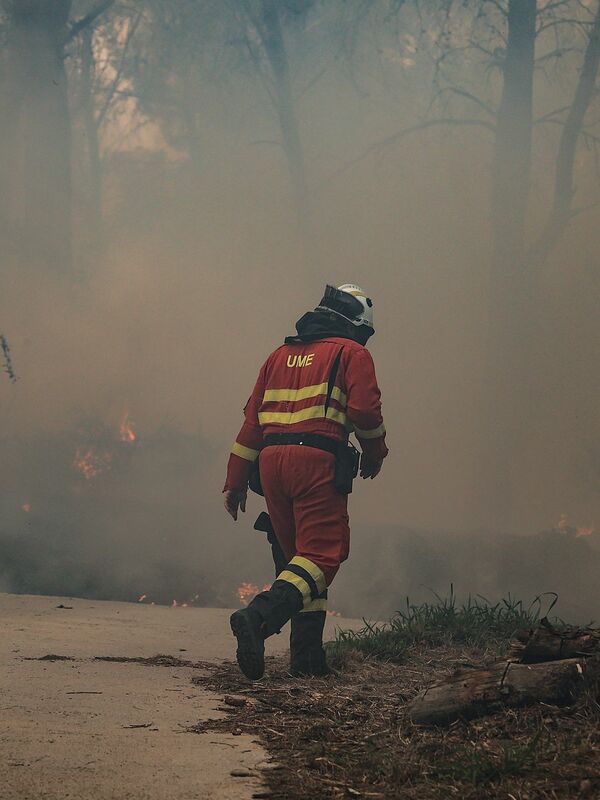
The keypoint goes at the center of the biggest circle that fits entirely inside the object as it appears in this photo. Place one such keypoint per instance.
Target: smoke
(202, 274)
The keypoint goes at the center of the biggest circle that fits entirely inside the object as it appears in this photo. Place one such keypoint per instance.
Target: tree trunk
(273, 42)
(92, 145)
(473, 693)
(510, 292)
(35, 89)
(11, 100)
(562, 208)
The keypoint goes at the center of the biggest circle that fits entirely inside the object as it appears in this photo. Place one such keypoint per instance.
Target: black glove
(369, 468)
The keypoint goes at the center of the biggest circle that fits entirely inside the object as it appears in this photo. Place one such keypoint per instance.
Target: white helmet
(350, 302)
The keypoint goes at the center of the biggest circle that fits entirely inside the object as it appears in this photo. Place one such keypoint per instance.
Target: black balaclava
(316, 325)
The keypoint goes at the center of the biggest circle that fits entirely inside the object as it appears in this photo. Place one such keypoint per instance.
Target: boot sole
(250, 652)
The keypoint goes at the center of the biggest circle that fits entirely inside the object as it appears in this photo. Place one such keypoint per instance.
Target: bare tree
(488, 57)
(268, 52)
(98, 76)
(36, 128)
(562, 211)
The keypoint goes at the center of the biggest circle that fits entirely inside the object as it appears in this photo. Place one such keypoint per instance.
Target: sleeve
(364, 404)
(249, 440)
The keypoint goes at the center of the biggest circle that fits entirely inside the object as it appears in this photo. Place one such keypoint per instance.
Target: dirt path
(77, 727)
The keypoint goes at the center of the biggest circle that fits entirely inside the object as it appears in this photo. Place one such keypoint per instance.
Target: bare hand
(234, 499)
(369, 469)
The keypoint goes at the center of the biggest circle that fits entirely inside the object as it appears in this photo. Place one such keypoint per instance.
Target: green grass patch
(468, 765)
(475, 622)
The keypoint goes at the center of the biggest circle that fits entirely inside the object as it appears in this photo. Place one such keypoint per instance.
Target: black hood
(319, 325)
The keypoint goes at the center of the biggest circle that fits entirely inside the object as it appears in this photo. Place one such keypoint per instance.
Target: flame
(92, 462)
(246, 591)
(26, 507)
(126, 432)
(174, 602)
(572, 530)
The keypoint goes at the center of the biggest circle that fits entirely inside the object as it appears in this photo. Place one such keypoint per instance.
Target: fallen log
(548, 643)
(473, 693)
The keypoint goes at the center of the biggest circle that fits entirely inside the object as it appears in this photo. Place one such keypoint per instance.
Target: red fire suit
(309, 517)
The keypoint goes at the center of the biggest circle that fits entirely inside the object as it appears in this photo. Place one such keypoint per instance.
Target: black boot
(247, 627)
(307, 657)
(265, 615)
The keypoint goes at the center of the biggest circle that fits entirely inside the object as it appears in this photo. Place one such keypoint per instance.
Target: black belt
(306, 439)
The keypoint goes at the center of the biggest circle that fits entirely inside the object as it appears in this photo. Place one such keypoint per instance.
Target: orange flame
(92, 462)
(126, 432)
(246, 591)
(575, 531)
(143, 598)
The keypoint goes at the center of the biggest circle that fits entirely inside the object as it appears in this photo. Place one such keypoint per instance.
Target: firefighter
(310, 394)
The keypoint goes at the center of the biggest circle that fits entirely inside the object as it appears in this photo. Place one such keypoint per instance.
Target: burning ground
(112, 511)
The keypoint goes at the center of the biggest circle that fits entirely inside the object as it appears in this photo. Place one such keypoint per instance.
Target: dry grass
(346, 735)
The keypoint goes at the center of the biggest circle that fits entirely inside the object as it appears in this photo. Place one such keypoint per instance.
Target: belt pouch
(347, 460)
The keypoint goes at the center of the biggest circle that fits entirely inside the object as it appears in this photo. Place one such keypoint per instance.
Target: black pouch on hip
(254, 483)
(347, 460)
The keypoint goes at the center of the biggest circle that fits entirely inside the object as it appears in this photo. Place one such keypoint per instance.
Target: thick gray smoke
(203, 262)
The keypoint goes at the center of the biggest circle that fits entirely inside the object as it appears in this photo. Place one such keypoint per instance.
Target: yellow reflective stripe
(296, 581)
(292, 417)
(374, 433)
(337, 416)
(316, 605)
(338, 395)
(244, 452)
(280, 395)
(294, 395)
(313, 570)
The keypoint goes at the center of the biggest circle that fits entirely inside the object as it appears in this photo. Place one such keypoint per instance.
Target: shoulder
(357, 357)
(354, 350)
(349, 345)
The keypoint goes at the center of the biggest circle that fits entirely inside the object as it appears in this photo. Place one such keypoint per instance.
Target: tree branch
(377, 147)
(498, 7)
(119, 72)
(468, 96)
(84, 22)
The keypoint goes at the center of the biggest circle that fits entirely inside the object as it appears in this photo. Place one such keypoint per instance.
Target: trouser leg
(307, 656)
(311, 523)
(301, 586)
(322, 529)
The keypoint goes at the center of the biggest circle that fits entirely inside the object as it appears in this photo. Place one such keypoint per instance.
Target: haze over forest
(178, 181)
